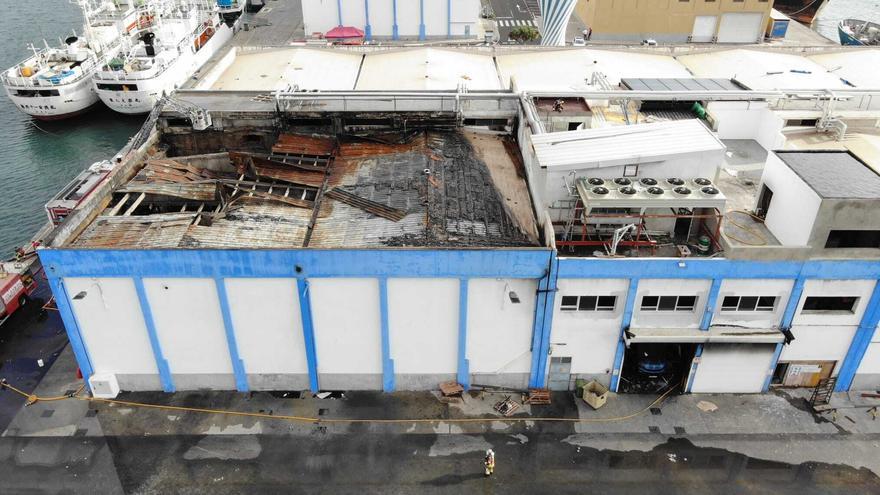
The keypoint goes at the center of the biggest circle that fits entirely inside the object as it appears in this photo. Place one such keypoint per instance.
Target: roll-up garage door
(740, 28)
(704, 28)
(733, 368)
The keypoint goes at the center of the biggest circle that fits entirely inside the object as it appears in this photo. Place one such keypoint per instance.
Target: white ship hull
(71, 100)
(138, 96)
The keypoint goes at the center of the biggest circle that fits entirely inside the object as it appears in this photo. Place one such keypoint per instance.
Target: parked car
(578, 42)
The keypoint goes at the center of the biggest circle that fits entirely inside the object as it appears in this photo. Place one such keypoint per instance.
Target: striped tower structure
(555, 14)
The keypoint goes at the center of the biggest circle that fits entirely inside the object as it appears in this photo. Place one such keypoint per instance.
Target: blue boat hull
(846, 38)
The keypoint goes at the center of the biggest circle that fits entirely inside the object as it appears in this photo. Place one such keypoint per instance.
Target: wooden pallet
(538, 396)
(451, 389)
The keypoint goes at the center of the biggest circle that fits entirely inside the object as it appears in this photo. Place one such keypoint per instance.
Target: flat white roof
(309, 68)
(761, 70)
(620, 145)
(572, 69)
(427, 69)
(858, 66)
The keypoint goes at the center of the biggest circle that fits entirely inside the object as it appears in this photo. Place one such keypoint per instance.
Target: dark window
(853, 239)
(669, 303)
(588, 303)
(573, 126)
(569, 303)
(830, 303)
(117, 87)
(748, 303)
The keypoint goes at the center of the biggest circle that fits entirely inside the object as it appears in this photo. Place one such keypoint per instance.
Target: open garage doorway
(652, 368)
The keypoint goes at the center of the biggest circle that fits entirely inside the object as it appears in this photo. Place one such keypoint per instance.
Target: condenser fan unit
(648, 181)
(674, 181)
(600, 190)
(628, 190)
(702, 181)
(595, 181)
(711, 191)
(622, 181)
(682, 190)
(656, 191)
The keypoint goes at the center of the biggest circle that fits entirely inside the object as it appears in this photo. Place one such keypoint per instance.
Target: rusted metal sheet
(367, 205)
(196, 191)
(299, 203)
(248, 161)
(141, 232)
(299, 144)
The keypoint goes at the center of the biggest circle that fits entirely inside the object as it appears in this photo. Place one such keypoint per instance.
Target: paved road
(405, 463)
(510, 14)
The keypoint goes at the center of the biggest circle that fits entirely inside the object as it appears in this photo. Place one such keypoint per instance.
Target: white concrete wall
(588, 337)
(794, 206)
(733, 368)
(670, 287)
(781, 289)
(857, 288)
(423, 325)
(747, 120)
(112, 325)
(381, 17)
(870, 364)
(189, 326)
(819, 343)
(268, 325)
(321, 16)
(464, 13)
(345, 312)
(499, 335)
(408, 18)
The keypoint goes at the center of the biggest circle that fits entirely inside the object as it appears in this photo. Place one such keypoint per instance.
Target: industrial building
(396, 19)
(677, 21)
(518, 232)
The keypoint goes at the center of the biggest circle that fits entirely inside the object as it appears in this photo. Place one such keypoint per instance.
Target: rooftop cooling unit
(627, 190)
(681, 190)
(675, 181)
(655, 191)
(647, 181)
(600, 190)
(595, 181)
(702, 182)
(622, 181)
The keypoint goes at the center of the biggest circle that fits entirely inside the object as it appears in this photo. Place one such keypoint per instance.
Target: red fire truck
(15, 290)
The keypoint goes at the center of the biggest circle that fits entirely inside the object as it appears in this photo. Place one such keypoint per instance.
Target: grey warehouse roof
(834, 174)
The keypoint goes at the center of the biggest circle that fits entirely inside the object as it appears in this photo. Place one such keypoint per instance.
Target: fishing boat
(172, 41)
(55, 82)
(857, 32)
(803, 11)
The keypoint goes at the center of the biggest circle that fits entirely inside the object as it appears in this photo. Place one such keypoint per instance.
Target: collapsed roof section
(415, 189)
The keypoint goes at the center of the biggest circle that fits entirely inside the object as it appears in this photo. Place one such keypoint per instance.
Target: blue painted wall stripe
(368, 30)
(395, 33)
(541, 326)
(448, 18)
(241, 382)
(71, 325)
(308, 330)
(490, 263)
(698, 353)
(625, 321)
(161, 362)
(717, 268)
(773, 362)
(387, 362)
(339, 12)
(860, 342)
(549, 305)
(464, 375)
(711, 304)
(421, 19)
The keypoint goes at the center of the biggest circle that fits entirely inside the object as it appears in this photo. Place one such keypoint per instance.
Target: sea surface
(37, 159)
(837, 10)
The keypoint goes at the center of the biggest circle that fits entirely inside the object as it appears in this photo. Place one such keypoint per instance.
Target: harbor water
(37, 158)
(838, 10)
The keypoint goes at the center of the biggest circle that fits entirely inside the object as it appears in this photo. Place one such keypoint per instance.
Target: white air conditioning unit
(104, 385)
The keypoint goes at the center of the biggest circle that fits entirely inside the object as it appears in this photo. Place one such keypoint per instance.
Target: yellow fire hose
(32, 399)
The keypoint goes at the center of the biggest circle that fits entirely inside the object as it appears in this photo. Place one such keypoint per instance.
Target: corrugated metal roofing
(834, 174)
(680, 84)
(610, 146)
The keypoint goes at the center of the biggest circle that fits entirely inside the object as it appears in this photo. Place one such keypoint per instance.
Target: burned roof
(834, 174)
(418, 189)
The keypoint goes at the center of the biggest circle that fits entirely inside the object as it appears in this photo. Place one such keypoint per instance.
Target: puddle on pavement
(682, 467)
